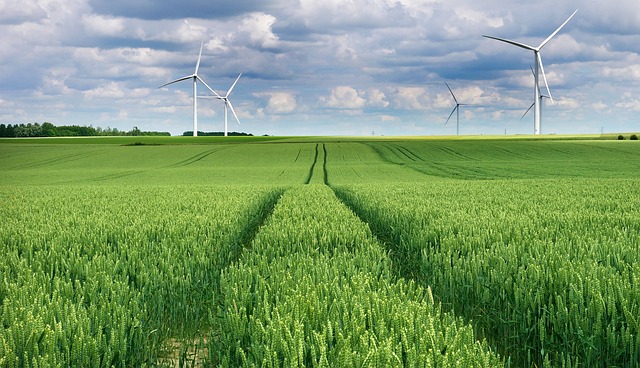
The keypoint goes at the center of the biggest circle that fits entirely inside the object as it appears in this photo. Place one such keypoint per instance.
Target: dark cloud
(157, 10)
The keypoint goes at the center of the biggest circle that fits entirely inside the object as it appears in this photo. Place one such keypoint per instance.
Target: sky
(331, 67)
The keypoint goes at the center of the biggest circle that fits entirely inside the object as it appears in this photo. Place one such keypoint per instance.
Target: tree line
(189, 133)
(49, 130)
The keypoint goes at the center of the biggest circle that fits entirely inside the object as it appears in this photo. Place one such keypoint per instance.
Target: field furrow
(197, 157)
(117, 276)
(546, 270)
(315, 289)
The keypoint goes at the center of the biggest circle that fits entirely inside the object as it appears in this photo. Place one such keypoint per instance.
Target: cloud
(410, 98)
(103, 26)
(77, 59)
(157, 10)
(110, 90)
(255, 29)
(16, 11)
(279, 102)
(622, 73)
(376, 98)
(330, 16)
(344, 97)
(599, 106)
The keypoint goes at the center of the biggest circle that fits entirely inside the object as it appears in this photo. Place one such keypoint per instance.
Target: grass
(154, 210)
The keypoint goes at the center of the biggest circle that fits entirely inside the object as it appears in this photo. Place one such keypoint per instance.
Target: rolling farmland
(319, 252)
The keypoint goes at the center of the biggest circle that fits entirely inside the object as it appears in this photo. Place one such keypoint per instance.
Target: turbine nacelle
(456, 108)
(538, 67)
(227, 102)
(195, 77)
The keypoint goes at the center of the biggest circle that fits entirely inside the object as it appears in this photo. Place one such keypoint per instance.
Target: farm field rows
(320, 252)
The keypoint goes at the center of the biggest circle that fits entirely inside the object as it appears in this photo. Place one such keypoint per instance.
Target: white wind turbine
(195, 78)
(538, 68)
(455, 109)
(540, 96)
(227, 103)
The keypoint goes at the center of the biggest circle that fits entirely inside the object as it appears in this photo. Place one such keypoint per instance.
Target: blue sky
(333, 67)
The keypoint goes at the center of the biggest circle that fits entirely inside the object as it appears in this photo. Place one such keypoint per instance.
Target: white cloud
(566, 103)
(279, 102)
(622, 73)
(388, 118)
(16, 11)
(410, 98)
(343, 50)
(103, 26)
(111, 90)
(599, 106)
(255, 29)
(629, 104)
(376, 98)
(481, 17)
(344, 97)
(165, 109)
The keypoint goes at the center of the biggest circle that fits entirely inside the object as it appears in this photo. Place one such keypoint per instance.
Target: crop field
(319, 252)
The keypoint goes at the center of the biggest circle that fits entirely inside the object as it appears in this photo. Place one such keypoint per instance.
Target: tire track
(60, 160)
(407, 152)
(324, 165)
(313, 165)
(454, 153)
(196, 158)
(117, 176)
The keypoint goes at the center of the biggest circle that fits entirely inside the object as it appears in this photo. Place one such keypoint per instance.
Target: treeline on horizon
(216, 134)
(49, 130)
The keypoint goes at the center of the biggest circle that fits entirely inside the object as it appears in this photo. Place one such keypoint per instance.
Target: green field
(320, 251)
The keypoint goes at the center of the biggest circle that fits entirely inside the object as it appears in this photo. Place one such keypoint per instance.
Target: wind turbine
(455, 109)
(227, 103)
(538, 68)
(195, 78)
(540, 96)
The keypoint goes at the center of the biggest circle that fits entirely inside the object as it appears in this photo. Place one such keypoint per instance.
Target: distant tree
(20, 131)
(48, 130)
(189, 133)
(10, 131)
(135, 131)
(621, 137)
(633, 137)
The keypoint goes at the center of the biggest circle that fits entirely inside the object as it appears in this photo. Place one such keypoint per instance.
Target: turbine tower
(540, 96)
(455, 109)
(538, 69)
(227, 103)
(195, 78)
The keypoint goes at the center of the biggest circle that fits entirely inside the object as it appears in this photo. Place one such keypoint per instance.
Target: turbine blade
(450, 115)
(525, 113)
(232, 110)
(544, 76)
(557, 30)
(452, 95)
(534, 76)
(206, 85)
(177, 80)
(232, 86)
(199, 57)
(524, 46)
